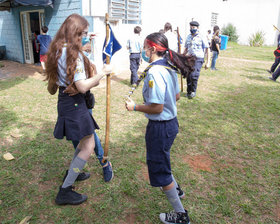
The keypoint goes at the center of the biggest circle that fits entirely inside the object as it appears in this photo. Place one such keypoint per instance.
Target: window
(214, 19)
(129, 11)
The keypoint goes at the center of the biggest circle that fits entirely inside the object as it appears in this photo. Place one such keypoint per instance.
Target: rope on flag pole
(179, 51)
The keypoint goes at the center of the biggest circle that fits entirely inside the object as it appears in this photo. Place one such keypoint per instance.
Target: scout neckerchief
(162, 62)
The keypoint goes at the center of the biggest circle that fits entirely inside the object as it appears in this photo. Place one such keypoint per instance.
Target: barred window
(214, 19)
(129, 11)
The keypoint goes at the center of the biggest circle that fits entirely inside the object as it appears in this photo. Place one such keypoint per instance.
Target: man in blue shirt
(134, 45)
(44, 40)
(198, 46)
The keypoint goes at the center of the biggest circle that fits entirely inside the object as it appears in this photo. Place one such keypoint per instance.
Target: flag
(110, 46)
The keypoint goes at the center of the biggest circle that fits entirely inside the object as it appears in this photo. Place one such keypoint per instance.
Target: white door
(26, 37)
(42, 19)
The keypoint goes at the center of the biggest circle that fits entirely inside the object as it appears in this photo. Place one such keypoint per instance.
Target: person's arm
(185, 51)
(207, 57)
(177, 96)
(86, 84)
(218, 48)
(148, 109)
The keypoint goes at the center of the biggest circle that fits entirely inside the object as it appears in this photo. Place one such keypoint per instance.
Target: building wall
(10, 35)
(247, 16)
(10, 28)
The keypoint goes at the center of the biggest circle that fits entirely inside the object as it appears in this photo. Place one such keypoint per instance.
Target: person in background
(44, 40)
(209, 37)
(134, 45)
(108, 173)
(276, 63)
(171, 37)
(215, 47)
(197, 46)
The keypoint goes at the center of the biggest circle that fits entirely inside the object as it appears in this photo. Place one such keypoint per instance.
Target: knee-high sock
(75, 168)
(174, 181)
(76, 153)
(174, 199)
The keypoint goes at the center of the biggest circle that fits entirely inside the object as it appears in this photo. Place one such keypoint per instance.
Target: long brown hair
(184, 63)
(70, 33)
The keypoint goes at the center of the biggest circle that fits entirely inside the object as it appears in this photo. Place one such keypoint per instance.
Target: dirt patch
(13, 69)
(199, 162)
(144, 173)
(277, 212)
(129, 219)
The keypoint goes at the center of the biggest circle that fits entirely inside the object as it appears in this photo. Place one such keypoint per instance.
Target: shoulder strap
(162, 62)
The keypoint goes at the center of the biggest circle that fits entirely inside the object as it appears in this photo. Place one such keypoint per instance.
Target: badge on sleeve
(151, 83)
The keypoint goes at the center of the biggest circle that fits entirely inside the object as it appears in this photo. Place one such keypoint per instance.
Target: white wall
(248, 16)
(251, 16)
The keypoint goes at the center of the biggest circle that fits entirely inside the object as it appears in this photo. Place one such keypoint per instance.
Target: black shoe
(82, 176)
(175, 217)
(68, 196)
(272, 79)
(269, 71)
(181, 193)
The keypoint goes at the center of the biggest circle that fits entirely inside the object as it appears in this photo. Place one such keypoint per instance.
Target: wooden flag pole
(108, 97)
(179, 51)
(275, 27)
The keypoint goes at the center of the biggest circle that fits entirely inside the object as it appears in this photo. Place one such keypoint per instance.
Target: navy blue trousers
(275, 64)
(192, 79)
(134, 65)
(159, 137)
(276, 74)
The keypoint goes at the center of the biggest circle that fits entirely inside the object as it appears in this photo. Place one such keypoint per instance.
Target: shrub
(230, 30)
(257, 39)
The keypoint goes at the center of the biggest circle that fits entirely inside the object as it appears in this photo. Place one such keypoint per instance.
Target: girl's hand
(129, 104)
(107, 69)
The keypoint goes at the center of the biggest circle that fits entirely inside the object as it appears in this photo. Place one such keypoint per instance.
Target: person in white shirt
(171, 37)
(134, 45)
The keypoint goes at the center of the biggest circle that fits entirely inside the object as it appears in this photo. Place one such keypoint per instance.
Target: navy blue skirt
(74, 120)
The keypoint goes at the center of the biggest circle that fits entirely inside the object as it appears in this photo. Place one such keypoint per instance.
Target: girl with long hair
(160, 93)
(68, 69)
(215, 47)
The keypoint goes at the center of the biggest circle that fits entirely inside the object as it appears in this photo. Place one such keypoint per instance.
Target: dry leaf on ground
(25, 220)
(8, 156)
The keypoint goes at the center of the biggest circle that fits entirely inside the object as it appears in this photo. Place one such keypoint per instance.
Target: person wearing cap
(198, 46)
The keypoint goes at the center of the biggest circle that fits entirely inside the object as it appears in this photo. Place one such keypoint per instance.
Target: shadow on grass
(121, 80)
(8, 118)
(258, 77)
(256, 70)
(235, 125)
(8, 83)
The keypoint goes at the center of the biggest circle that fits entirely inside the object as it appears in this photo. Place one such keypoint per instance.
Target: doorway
(31, 23)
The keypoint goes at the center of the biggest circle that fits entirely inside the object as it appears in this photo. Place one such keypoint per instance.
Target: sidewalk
(13, 69)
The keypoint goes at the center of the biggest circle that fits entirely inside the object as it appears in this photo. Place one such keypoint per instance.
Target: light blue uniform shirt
(196, 45)
(160, 87)
(62, 66)
(134, 44)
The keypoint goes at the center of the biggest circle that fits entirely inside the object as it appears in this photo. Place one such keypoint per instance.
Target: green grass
(231, 127)
(264, 53)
